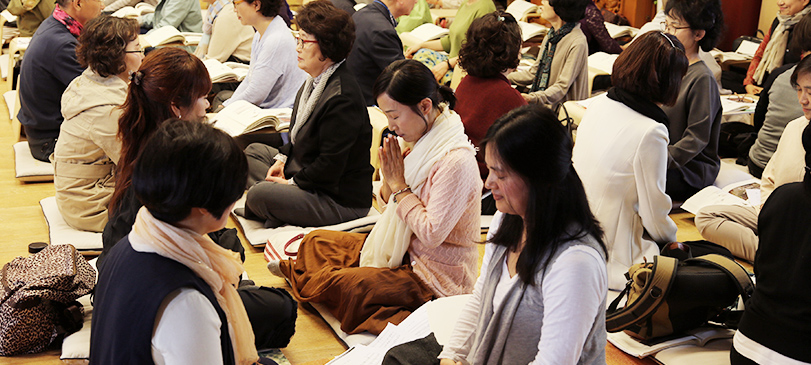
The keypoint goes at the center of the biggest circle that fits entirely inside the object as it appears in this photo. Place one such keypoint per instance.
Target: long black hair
(532, 143)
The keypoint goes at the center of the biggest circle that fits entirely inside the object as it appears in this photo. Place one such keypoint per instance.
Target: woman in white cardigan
(621, 152)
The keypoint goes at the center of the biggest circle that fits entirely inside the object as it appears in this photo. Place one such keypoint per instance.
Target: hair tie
(136, 77)
(501, 18)
(668, 38)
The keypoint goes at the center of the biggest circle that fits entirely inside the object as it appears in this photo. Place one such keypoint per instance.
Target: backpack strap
(735, 271)
(654, 293)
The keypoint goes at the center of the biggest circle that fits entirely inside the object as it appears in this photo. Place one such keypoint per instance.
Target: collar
(391, 17)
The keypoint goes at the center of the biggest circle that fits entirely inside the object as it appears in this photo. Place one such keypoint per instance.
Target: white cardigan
(621, 157)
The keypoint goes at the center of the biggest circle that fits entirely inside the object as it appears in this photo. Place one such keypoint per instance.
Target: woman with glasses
(87, 150)
(695, 118)
(489, 55)
(322, 176)
(273, 77)
(621, 152)
(560, 73)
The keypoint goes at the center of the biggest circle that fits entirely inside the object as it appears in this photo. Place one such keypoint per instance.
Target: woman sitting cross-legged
(87, 149)
(323, 175)
(423, 246)
(561, 71)
(621, 152)
(540, 297)
(167, 293)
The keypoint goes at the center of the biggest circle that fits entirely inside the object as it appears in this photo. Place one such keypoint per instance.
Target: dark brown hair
(492, 45)
(103, 42)
(651, 67)
(333, 29)
(801, 35)
(168, 76)
(703, 15)
(570, 11)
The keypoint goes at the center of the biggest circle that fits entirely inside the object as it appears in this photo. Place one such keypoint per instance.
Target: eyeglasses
(300, 42)
(237, 2)
(670, 28)
(139, 51)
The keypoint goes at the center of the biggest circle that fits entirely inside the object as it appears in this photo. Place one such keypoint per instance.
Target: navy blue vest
(129, 291)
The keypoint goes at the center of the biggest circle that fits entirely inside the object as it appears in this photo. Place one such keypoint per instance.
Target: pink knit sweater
(445, 221)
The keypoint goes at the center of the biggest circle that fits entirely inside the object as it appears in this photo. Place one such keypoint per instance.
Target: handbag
(37, 298)
(668, 296)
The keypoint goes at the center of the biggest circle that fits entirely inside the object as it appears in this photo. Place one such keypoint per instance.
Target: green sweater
(467, 13)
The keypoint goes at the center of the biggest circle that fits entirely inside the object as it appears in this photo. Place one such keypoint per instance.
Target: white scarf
(391, 236)
(776, 48)
(310, 96)
(218, 267)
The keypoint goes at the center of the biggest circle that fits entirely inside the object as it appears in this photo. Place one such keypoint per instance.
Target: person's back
(184, 15)
(376, 46)
(48, 67)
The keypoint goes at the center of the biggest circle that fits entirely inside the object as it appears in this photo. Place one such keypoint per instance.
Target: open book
(242, 117)
(520, 8)
(423, 33)
(640, 349)
(616, 31)
(134, 12)
(602, 63)
(227, 71)
(530, 30)
(745, 192)
(169, 34)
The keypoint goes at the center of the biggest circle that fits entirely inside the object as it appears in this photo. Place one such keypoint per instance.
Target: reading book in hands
(226, 71)
(423, 33)
(745, 192)
(134, 12)
(519, 9)
(241, 117)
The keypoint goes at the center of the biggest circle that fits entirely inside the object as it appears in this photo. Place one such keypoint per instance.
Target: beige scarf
(390, 237)
(214, 264)
(776, 48)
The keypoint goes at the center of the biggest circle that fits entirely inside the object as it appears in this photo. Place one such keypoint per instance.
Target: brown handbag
(36, 296)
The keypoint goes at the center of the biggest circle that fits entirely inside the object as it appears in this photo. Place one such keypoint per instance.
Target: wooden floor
(22, 223)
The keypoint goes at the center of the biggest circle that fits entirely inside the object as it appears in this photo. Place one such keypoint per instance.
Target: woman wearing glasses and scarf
(323, 175)
(561, 71)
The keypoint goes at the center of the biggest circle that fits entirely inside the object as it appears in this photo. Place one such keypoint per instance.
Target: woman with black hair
(542, 288)
(167, 293)
(695, 118)
(774, 328)
(561, 71)
(621, 152)
(423, 245)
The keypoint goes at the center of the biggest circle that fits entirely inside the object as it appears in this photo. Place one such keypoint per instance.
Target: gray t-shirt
(783, 108)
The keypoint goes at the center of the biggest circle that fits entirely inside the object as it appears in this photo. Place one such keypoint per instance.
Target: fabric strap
(313, 88)
(542, 75)
(776, 48)
(390, 237)
(639, 104)
(217, 266)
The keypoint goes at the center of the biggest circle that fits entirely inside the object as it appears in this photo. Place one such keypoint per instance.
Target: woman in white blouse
(542, 288)
(621, 152)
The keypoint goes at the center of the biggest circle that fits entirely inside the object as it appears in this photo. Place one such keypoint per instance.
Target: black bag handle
(663, 273)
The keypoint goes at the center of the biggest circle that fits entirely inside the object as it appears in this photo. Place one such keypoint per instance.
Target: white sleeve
(187, 330)
(650, 173)
(574, 289)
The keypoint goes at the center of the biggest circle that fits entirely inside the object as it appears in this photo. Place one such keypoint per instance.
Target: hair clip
(501, 18)
(668, 38)
(136, 77)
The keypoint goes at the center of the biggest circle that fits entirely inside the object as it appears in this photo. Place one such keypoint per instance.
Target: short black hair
(570, 11)
(333, 29)
(408, 82)
(651, 67)
(268, 8)
(803, 68)
(189, 164)
(703, 15)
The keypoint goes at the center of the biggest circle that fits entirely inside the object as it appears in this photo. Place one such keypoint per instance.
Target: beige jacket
(87, 149)
(30, 13)
(568, 75)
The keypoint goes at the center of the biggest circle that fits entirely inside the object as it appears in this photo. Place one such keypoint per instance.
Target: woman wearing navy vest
(167, 293)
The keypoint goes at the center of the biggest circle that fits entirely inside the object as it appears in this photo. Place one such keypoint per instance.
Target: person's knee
(255, 150)
(272, 313)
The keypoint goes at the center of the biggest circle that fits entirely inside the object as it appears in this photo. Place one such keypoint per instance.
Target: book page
(428, 31)
(737, 104)
(530, 30)
(710, 195)
(520, 8)
(8, 16)
(163, 35)
(218, 71)
(602, 62)
(634, 347)
(192, 38)
(747, 48)
(127, 12)
(617, 31)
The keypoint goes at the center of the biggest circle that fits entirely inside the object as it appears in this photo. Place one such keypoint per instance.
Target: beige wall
(768, 10)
